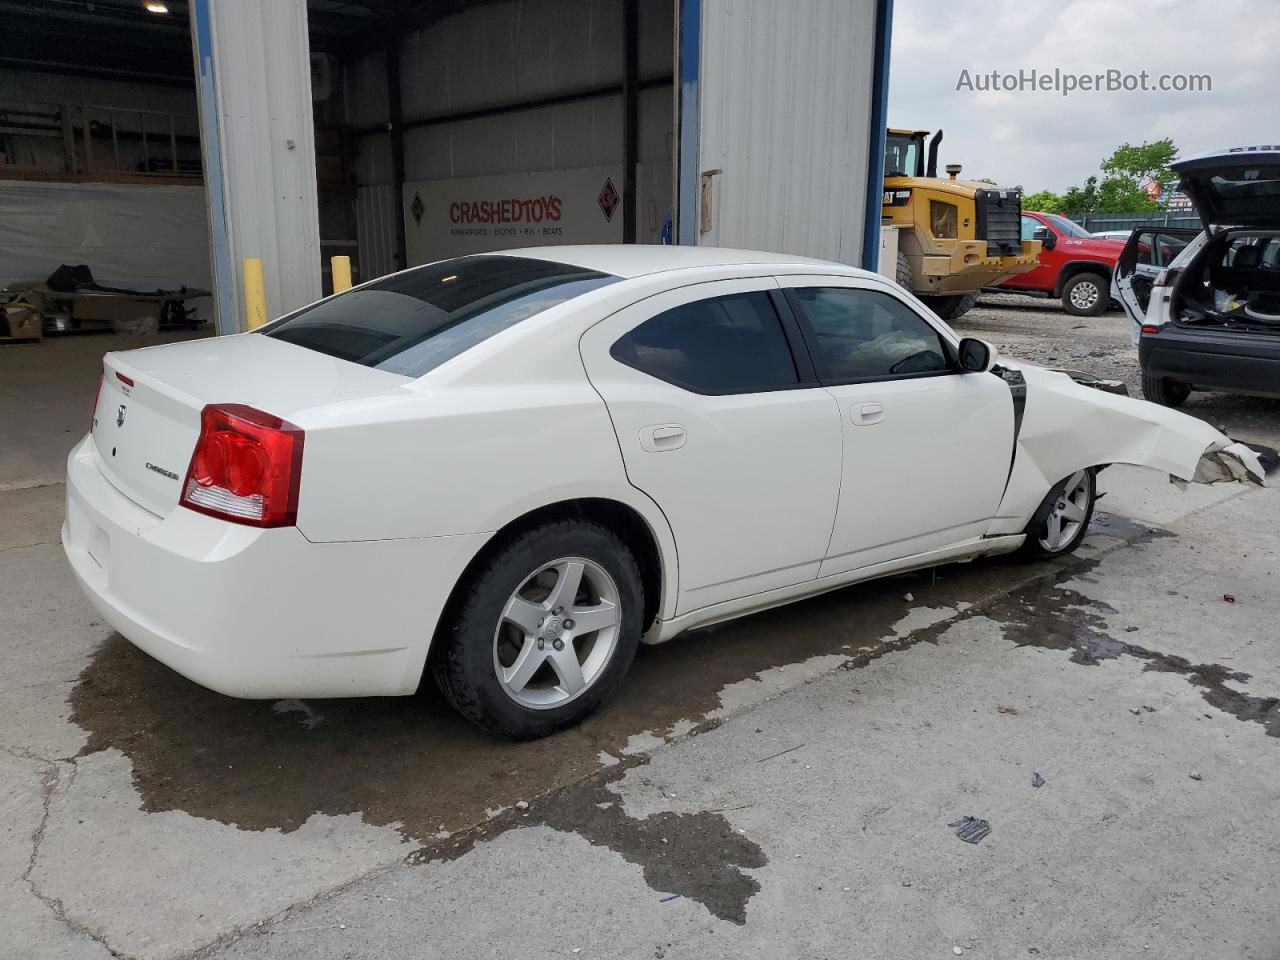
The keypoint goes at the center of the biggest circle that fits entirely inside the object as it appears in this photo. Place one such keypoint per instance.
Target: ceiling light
(155, 6)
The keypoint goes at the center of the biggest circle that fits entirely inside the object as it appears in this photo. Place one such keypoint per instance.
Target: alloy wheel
(557, 633)
(1067, 514)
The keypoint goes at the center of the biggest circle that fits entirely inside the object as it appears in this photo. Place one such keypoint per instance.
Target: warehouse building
(160, 144)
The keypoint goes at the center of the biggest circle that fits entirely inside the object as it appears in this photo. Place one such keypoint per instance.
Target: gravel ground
(1038, 330)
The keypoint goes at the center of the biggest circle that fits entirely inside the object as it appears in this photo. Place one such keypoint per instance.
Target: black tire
(1076, 289)
(903, 275)
(462, 660)
(1166, 392)
(953, 306)
(1033, 548)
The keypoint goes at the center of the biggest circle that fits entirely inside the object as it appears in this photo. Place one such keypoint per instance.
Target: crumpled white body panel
(1067, 426)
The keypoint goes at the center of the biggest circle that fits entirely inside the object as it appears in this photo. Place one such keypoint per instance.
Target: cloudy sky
(1043, 140)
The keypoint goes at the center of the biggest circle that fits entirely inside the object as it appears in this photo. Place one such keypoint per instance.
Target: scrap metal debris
(1229, 597)
(780, 753)
(1037, 780)
(970, 829)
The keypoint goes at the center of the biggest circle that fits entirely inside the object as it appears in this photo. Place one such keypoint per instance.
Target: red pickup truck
(1074, 264)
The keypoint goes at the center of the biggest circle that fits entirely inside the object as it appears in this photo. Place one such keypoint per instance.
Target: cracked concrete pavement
(778, 786)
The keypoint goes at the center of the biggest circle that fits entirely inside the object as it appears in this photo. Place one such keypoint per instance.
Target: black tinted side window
(867, 335)
(732, 344)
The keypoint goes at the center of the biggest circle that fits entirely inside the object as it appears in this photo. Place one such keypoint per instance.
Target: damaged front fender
(1066, 426)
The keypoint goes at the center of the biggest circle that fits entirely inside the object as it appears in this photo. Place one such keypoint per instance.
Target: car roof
(642, 259)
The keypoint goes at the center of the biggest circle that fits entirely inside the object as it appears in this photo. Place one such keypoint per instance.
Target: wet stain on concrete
(694, 855)
(411, 764)
(697, 855)
(411, 761)
(1046, 615)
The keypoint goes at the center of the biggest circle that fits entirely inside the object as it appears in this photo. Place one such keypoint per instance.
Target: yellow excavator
(954, 236)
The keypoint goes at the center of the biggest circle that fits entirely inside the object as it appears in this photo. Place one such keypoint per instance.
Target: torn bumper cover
(1067, 426)
(1232, 462)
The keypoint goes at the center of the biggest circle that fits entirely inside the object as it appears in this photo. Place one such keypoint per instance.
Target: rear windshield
(411, 322)
(1069, 227)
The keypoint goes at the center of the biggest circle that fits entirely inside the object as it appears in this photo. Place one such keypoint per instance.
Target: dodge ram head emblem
(120, 416)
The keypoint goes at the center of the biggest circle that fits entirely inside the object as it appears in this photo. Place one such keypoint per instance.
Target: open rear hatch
(147, 417)
(1239, 187)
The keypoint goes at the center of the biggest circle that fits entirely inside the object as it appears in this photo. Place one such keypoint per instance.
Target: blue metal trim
(224, 274)
(687, 75)
(875, 142)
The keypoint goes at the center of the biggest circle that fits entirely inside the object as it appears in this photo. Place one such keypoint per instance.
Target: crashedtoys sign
(446, 218)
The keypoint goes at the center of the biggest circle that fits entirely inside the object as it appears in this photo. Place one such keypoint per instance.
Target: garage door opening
(481, 126)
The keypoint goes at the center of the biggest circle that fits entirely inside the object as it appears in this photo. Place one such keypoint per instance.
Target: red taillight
(1148, 328)
(246, 467)
(123, 379)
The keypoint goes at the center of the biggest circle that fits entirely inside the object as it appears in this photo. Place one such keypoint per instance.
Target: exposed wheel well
(1077, 267)
(630, 527)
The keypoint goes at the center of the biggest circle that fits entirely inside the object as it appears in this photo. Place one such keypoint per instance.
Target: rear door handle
(661, 437)
(865, 414)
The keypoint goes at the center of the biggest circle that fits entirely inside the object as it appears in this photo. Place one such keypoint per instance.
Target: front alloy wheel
(557, 633)
(1068, 514)
(1061, 522)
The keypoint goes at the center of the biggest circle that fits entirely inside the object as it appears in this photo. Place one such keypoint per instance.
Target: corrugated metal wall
(375, 230)
(509, 52)
(262, 79)
(785, 114)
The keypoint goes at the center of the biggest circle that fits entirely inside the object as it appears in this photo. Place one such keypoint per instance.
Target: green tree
(1121, 195)
(1043, 201)
(1083, 199)
(1125, 182)
(1144, 164)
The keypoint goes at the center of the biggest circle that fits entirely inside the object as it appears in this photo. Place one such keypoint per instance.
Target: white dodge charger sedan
(508, 470)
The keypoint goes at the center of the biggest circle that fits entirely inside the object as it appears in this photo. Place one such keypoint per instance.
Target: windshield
(900, 155)
(411, 322)
(1069, 227)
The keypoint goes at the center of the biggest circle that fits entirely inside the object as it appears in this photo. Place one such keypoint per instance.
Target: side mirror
(976, 356)
(1045, 236)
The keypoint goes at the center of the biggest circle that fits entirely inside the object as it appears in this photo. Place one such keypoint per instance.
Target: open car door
(1148, 251)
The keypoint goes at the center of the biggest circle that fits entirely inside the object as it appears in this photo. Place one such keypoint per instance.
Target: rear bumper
(258, 613)
(1213, 359)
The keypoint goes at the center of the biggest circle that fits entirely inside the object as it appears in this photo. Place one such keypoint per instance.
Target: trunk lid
(147, 417)
(1239, 187)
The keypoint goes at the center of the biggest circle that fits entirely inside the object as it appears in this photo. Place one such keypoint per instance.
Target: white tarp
(142, 237)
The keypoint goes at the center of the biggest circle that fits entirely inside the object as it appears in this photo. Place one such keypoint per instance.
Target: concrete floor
(776, 787)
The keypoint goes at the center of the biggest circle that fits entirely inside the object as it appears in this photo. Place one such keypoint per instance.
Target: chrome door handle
(662, 437)
(865, 414)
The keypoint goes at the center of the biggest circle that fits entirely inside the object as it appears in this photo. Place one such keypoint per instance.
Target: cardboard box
(20, 323)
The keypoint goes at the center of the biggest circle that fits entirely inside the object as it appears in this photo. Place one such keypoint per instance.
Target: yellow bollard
(341, 267)
(255, 294)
